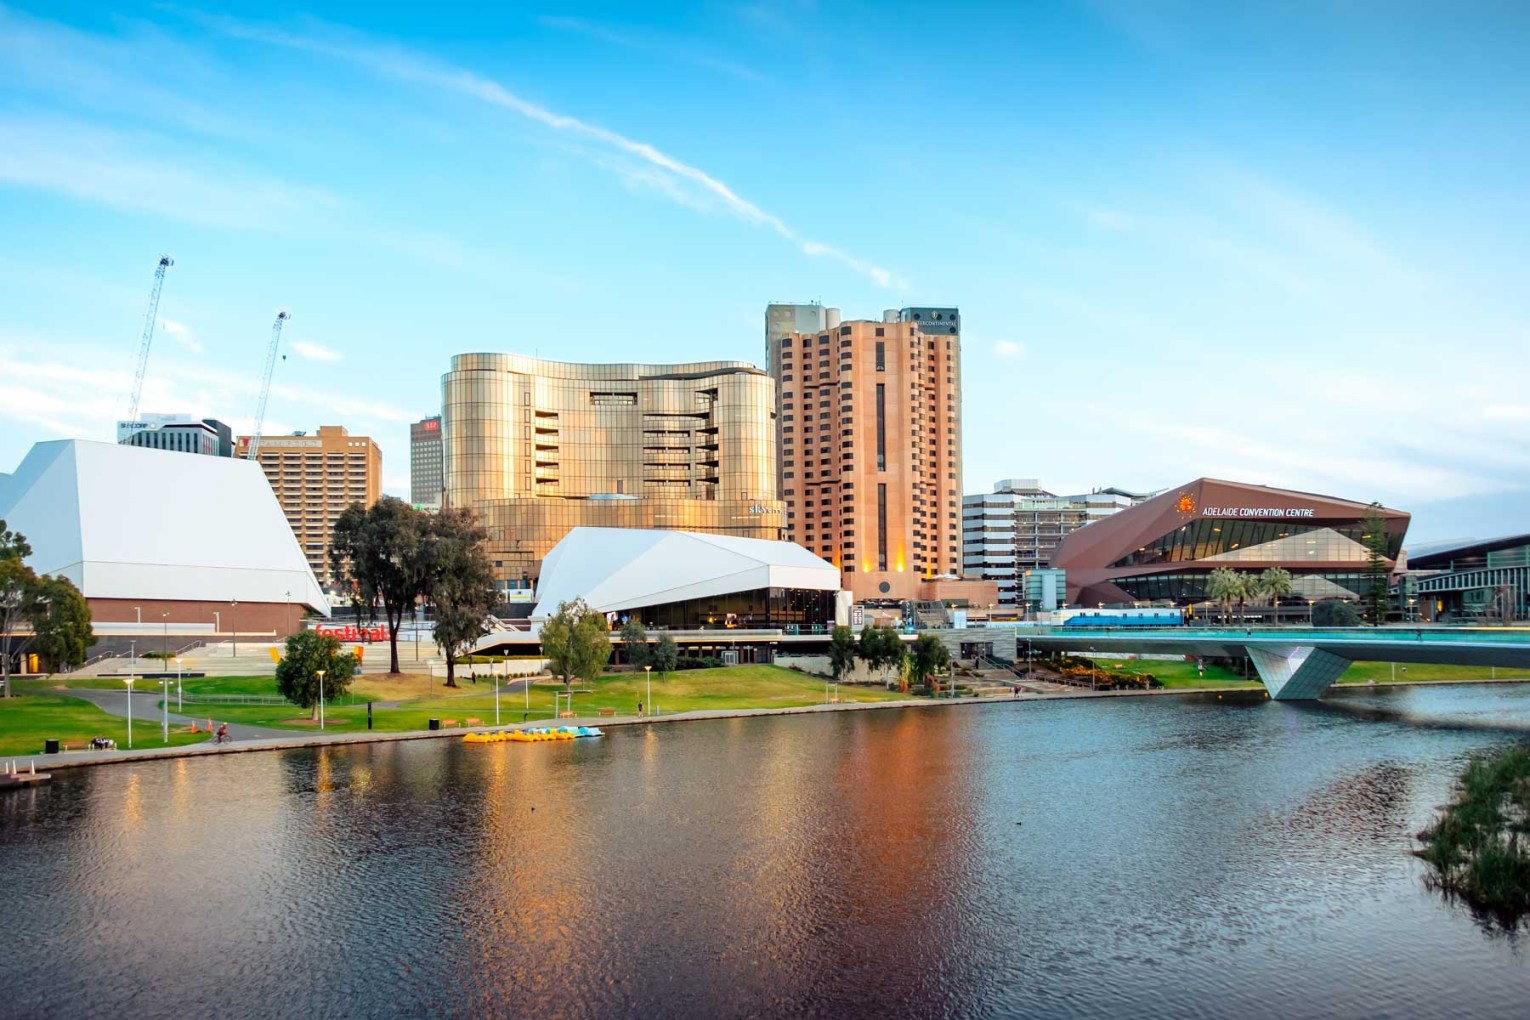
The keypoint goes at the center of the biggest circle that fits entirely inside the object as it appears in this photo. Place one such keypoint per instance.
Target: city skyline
(1153, 200)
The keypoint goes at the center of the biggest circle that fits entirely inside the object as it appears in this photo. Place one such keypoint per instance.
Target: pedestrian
(640, 706)
(223, 733)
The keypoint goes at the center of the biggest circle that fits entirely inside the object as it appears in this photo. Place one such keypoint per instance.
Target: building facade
(1017, 527)
(1165, 548)
(537, 448)
(1486, 580)
(869, 429)
(425, 476)
(180, 433)
(315, 477)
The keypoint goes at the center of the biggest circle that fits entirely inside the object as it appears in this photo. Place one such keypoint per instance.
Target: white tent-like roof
(125, 522)
(626, 568)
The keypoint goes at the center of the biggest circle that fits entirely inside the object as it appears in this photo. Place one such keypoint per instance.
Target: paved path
(146, 711)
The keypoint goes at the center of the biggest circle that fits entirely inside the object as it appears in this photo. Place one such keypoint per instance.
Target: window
(881, 427)
(881, 526)
(881, 355)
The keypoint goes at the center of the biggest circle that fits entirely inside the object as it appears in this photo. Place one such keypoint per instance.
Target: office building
(869, 429)
(315, 477)
(1016, 528)
(538, 448)
(217, 559)
(1165, 548)
(425, 478)
(1485, 580)
(181, 433)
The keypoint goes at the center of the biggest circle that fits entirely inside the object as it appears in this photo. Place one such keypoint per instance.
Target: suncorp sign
(1258, 511)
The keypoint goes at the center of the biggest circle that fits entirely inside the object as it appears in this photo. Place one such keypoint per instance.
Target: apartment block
(425, 458)
(315, 477)
(869, 428)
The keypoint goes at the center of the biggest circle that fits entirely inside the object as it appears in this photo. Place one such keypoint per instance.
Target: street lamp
(179, 691)
(133, 656)
(648, 671)
(233, 622)
(165, 617)
(165, 701)
(139, 611)
(217, 623)
(129, 681)
(321, 698)
(287, 616)
(504, 668)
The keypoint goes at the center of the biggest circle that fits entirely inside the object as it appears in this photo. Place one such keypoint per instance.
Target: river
(1131, 857)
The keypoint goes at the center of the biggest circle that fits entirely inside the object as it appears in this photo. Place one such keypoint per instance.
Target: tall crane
(165, 262)
(265, 382)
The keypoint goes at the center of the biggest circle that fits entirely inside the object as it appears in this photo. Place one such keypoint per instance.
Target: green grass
(1381, 672)
(727, 688)
(1183, 674)
(36, 714)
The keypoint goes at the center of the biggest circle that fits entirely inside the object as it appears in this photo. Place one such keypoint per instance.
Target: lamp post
(133, 656)
(505, 667)
(648, 709)
(320, 672)
(139, 611)
(165, 701)
(180, 692)
(129, 681)
(287, 615)
(233, 622)
(165, 618)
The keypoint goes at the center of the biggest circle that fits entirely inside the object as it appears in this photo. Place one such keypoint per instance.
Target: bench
(475, 722)
(607, 711)
(566, 714)
(447, 724)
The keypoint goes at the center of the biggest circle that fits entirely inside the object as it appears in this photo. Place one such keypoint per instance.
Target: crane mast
(165, 262)
(265, 382)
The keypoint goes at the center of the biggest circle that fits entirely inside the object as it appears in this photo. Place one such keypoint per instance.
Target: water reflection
(1142, 857)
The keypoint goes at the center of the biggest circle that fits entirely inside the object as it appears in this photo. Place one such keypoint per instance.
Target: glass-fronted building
(1487, 580)
(1165, 548)
(538, 448)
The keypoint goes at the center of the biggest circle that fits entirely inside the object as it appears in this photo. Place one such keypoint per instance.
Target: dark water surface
(1173, 857)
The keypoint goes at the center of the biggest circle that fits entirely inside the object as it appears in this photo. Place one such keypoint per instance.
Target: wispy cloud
(1008, 350)
(667, 50)
(181, 334)
(404, 65)
(314, 352)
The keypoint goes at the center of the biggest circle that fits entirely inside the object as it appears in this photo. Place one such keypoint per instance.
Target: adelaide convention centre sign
(1258, 511)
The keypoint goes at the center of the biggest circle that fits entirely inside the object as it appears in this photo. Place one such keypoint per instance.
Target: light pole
(648, 705)
(133, 656)
(217, 622)
(233, 622)
(129, 681)
(180, 692)
(504, 668)
(165, 618)
(139, 611)
(165, 701)
(321, 698)
(287, 616)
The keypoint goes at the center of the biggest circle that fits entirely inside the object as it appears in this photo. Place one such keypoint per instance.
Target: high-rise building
(425, 479)
(315, 477)
(809, 318)
(181, 433)
(538, 448)
(1017, 527)
(870, 447)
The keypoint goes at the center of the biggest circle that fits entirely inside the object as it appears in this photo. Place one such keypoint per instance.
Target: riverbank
(77, 759)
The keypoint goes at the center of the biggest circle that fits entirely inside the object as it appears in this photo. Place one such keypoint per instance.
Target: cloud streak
(403, 65)
(314, 352)
(590, 30)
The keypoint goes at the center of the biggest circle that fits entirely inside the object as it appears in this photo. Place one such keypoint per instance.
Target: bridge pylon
(1297, 672)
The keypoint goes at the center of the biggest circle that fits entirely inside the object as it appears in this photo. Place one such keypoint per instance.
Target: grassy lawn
(726, 688)
(1381, 672)
(1178, 674)
(1184, 675)
(36, 714)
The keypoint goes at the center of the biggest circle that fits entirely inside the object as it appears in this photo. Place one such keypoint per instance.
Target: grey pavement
(146, 711)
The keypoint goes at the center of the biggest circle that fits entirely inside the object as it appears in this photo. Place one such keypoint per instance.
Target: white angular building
(687, 580)
(159, 542)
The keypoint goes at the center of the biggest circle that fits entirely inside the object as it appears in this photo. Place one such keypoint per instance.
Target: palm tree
(1274, 583)
(1227, 586)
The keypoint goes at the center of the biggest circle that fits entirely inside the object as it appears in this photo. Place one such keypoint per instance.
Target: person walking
(640, 708)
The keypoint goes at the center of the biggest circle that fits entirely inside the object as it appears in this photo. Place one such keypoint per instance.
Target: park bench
(448, 724)
(474, 722)
(566, 714)
(607, 711)
(74, 745)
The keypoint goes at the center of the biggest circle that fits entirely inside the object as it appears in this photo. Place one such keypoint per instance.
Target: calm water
(1135, 858)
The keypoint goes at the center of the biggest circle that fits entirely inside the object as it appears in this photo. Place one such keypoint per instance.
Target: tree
(1226, 586)
(881, 649)
(297, 674)
(1373, 535)
(1334, 613)
(16, 583)
(60, 618)
(841, 652)
(458, 581)
(930, 657)
(378, 548)
(1274, 583)
(666, 654)
(576, 641)
(635, 642)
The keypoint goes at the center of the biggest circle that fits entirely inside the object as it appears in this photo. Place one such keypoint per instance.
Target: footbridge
(1297, 663)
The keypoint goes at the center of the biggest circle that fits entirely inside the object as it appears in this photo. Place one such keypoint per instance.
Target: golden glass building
(538, 448)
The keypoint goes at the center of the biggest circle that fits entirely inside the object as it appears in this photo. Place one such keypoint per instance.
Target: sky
(1279, 243)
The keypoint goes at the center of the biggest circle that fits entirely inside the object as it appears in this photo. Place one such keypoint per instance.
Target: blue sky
(1282, 243)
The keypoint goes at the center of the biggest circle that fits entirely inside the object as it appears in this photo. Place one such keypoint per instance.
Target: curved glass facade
(540, 447)
(1234, 541)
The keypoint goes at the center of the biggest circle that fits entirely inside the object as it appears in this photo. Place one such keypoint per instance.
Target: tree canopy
(841, 652)
(297, 674)
(666, 654)
(457, 579)
(1374, 536)
(882, 649)
(929, 656)
(50, 607)
(576, 641)
(635, 643)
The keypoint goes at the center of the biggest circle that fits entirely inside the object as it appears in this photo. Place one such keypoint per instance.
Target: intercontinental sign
(1258, 511)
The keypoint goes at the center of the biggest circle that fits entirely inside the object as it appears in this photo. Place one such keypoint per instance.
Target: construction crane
(165, 262)
(265, 382)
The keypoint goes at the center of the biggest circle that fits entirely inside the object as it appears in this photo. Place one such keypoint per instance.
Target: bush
(1335, 613)
(1478, 847)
